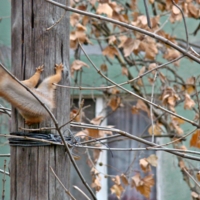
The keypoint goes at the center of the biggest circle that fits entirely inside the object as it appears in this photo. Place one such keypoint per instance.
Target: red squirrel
(27, 105)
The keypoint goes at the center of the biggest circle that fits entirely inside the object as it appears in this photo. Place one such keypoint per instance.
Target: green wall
(5, 40)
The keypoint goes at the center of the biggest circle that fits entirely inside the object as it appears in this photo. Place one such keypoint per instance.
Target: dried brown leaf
(74, 19)
(143, 185)
(142, 106)
(134, 110)
(77, 65)
(188, 103)
(117, 190)
(116, 180)
(198, 175)
(104, 8)
(104, 68)
(144, 164)
(110, 51)
(124, 71)
(114, 103)
(96, 153)
(153, 160)
(96, 120)
(129, 45)
(195, 139)
(124, 179)
(155, 129)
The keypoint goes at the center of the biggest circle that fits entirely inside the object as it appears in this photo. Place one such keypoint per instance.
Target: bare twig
(191, 177)
(151, 107)
(138, 149)
(185, 26)
(66, 190)
(57, 22)
(37, 129)
(147, 13)
(77, 188)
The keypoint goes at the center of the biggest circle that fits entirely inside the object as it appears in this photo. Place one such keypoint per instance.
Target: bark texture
(32, 46)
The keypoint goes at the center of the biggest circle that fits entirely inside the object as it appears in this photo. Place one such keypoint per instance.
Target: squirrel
(26, 104)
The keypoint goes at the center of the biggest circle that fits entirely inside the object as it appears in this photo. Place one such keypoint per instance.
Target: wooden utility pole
(34, 45)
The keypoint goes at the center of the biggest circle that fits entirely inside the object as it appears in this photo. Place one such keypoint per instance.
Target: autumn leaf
(135, 110)
(188, 103)
(195, 139)
(198, 175)
(178, 120)
(74, 19)
(152, 160)
(124, 179)
(115, 90)
(96, 120)
(117, 190)
(75, 116)
(82, 134)
(143, 19)
(141, 72)
(112, 39)
(77, 65)
(136, 181)
(193, 10)
(122, 40)
(116, 180)
(151, 51)
(171, 54)
(190, 85)
(94, 133)
(145, 166)
(129, 45)
(104, 68)
(96, 179)
(194, 195)
(104, 8)
(110, 51)
(175, 124)
(151, 67)
(155, 129)
(181, 164)
(96, 153)
(142, 106)
(124, 71)
(175, 10)
(143, 185)
(114, 103)
(170, 97)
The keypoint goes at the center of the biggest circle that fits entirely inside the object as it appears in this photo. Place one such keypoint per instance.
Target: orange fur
(27, 105)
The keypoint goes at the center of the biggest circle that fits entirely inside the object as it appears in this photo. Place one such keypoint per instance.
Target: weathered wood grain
(32, 46)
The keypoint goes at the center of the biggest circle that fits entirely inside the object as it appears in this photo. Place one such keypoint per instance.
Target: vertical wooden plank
(52, 179)
(42, 172)
(13, 173)
(33, 45)
(33, 170)
(22, 173)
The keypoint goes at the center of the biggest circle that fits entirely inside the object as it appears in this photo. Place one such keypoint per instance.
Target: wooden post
(33, 45)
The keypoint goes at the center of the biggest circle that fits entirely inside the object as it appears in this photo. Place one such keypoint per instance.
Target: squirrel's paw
(40, 68)
(59, 67)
